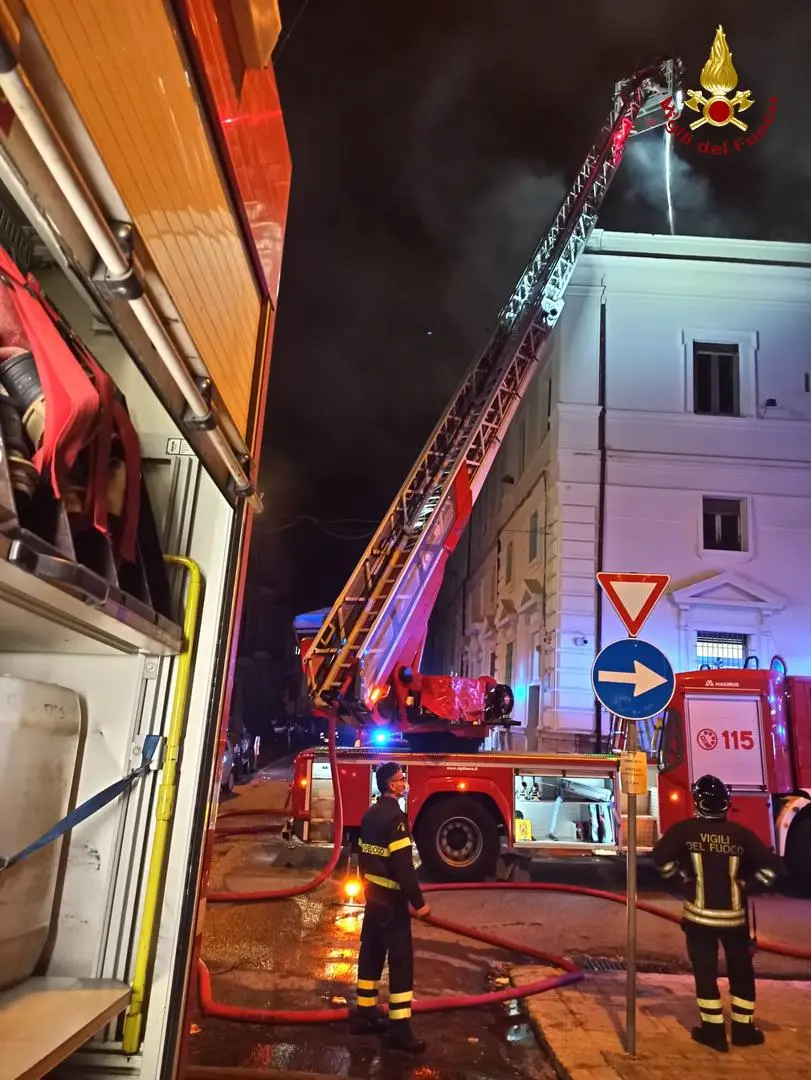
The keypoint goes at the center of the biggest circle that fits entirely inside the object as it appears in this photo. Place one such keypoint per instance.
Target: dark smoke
(432, 142)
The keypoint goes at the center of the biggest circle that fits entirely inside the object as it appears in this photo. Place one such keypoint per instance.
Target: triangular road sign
(633, 596)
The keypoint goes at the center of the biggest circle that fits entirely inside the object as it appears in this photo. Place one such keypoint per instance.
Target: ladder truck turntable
(362, 665)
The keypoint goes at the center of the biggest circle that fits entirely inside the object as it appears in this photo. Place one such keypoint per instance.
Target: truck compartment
(570, 810)
(99, 630)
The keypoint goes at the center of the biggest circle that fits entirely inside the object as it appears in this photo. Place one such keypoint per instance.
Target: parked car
(228, 776)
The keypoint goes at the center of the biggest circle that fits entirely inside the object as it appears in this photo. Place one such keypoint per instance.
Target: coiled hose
(571, 973)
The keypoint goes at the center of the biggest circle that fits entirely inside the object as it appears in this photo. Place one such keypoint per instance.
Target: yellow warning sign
(634, 772)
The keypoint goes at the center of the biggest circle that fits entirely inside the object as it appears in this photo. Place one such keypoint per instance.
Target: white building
(668, 430)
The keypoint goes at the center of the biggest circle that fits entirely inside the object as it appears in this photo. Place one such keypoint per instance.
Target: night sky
(432, 141)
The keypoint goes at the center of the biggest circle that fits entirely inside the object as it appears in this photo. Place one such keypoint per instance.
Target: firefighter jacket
(716, 859)
(386, 862)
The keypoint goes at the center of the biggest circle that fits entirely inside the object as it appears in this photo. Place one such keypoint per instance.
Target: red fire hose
(571, 972)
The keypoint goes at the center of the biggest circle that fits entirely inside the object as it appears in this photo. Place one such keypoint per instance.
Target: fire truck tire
(798, 852)
(458, 839)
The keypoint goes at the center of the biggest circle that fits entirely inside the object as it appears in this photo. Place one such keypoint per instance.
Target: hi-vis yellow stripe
(398, 845)
(384, 882)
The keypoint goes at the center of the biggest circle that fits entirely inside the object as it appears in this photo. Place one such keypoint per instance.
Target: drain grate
(617, 963)
(670, 966)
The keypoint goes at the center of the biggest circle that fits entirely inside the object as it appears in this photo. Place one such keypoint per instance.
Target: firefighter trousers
(702, 948)
(386, 934)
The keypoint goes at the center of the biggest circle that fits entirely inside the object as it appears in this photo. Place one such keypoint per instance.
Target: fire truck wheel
(798, 852)
(458, 840)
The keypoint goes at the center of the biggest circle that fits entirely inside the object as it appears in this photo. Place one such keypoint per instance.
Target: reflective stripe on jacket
(386, 857)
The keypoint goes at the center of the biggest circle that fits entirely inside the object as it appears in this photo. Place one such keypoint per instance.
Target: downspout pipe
(119, 270)
(598, 609)
(167, 794)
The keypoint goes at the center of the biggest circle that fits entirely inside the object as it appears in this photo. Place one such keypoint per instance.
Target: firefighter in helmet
(392, 895)
(717, 861)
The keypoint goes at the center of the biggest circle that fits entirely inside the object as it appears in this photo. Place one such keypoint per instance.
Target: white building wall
(661, 295)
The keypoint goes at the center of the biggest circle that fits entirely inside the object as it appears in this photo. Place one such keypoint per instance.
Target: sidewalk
(583, 1028)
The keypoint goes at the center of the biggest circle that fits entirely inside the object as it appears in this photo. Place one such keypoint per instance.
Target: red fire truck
(750, 727)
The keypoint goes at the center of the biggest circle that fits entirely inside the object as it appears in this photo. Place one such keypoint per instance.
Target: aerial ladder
(362, 666)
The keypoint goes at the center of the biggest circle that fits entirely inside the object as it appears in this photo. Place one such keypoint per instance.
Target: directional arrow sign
(633, 596)
(633, 679)
(641, 678)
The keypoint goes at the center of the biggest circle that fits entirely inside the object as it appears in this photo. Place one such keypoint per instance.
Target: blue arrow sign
(633, 679)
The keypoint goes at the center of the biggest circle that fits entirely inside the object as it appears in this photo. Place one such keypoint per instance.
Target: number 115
(738, 740)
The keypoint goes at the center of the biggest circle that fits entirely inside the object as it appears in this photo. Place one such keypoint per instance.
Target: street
(300, 954)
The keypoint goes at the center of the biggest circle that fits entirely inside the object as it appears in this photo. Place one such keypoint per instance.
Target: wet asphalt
(301, 954)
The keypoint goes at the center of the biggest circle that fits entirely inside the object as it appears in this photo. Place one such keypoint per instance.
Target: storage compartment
(73, 495)
(564, 810)
(40, 738)
(77, 613)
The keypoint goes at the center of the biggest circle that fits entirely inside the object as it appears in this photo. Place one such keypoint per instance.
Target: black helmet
(711, 796)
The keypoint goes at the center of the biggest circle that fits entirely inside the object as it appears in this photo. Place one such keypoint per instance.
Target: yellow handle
(134, 1017)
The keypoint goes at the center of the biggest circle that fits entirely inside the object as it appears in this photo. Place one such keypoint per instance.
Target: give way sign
(633, 596)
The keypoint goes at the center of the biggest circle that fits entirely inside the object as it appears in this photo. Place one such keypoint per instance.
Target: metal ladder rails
(362, 631)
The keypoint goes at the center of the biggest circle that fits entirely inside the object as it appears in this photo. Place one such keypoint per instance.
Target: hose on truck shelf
(571, 973)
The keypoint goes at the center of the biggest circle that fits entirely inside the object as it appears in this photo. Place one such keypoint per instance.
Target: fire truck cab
(752, 729)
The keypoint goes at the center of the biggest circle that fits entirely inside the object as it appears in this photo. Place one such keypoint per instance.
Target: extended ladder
(361, 634)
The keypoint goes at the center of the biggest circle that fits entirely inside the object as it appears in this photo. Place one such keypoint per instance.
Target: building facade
(668, 430)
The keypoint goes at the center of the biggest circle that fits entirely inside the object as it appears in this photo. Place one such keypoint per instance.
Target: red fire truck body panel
(799, 699)
(494, 781)
(750, 728)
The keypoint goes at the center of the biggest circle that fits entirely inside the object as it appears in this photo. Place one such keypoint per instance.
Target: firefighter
(716, 861)
(392, 895)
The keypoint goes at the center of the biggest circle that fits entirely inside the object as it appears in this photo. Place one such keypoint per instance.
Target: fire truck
(144, 176)
(362, 666)
(752, 728)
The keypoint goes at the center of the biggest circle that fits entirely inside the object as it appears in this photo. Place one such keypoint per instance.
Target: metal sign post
(630, 911)
(635, 681)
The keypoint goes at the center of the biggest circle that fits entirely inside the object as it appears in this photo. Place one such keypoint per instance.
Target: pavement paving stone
(594, 1048)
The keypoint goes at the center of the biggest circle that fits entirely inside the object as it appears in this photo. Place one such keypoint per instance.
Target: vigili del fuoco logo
(720, 105)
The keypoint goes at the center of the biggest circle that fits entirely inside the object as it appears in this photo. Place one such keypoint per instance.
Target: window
(508, 564)
(508, 664)
(720, 650)
(723, 524)
(549, 403)
(533, 537)
(716, 380)
(492, 665)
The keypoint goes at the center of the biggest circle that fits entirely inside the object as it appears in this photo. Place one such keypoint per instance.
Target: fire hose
(571, 973)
